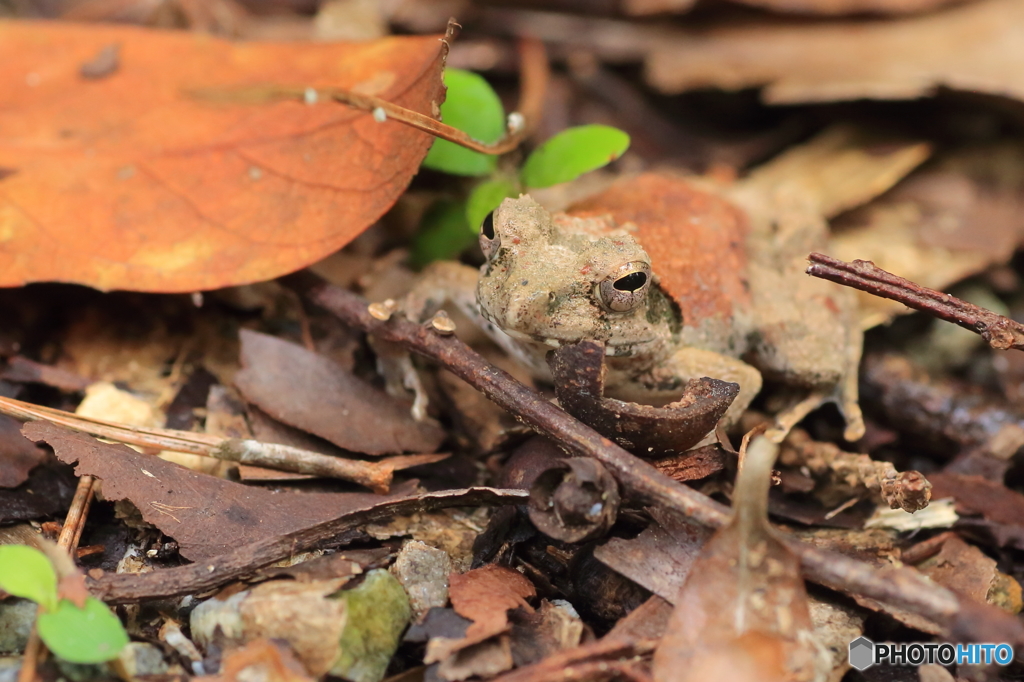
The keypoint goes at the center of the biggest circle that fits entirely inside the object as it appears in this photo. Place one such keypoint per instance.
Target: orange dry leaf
(131, 181)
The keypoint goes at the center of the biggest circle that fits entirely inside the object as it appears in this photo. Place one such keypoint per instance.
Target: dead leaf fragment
(840, 168)
(311, 392)
(18, 457)
(539, 634)
(130, 182)
(1002, 508)
(206, 515)
(660, 557)
(46, 492)
(975, 47)
(967, 570)
(949, 219)
(21, 369)
(485, 594)
(742, 613)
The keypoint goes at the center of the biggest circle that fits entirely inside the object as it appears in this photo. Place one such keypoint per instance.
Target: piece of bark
(646, 431)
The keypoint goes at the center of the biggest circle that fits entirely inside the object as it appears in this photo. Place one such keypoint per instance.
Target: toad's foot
(846, 401)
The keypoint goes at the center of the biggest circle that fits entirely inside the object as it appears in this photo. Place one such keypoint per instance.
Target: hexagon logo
(862, 653)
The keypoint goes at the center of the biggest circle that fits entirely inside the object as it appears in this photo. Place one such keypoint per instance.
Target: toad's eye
(626, 288)
(489, 239)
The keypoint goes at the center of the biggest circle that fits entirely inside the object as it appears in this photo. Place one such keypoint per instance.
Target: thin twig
(74, 522)
(375, 475)
(534, 73)
(902, 587)
(70, 534)
(122, 588)
(534, 76)
(1000, 332)
(33, 650)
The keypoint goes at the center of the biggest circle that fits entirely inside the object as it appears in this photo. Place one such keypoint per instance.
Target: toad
(714, 302)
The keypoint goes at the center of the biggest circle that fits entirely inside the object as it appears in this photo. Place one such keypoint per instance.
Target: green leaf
(486, 197)
(26, 572)
(444, 233)
(89, 635)
(573, 152)
(473, 107)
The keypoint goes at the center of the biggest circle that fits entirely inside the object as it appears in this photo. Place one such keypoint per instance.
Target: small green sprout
(473, 107)
(573, 152)
(91, 634)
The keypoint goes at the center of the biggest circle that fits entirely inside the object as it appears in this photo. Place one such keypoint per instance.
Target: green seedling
(473, 107)
(91, 634)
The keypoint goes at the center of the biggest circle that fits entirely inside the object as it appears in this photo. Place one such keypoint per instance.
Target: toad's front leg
(441, 283)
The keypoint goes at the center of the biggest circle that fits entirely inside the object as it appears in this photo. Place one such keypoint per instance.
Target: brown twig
(1000, 332)
(902, 587)
(375, 475)
(70, 534)
(534, 75)
(74, 522)
(33, 650)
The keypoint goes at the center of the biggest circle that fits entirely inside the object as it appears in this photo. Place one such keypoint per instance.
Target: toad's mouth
(614, 347)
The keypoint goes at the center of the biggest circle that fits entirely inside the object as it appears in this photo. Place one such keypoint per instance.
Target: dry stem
(1000, 332)
(375, 475)
(534, 75)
